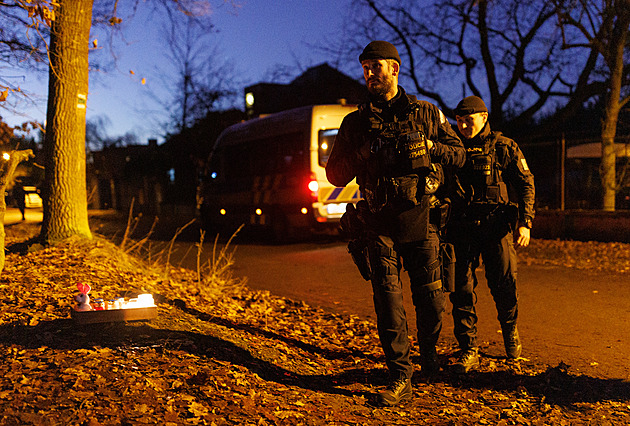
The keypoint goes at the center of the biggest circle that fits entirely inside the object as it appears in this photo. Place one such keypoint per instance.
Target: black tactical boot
(398, 390)
(468, 359)
(512, 341)
(429, 363)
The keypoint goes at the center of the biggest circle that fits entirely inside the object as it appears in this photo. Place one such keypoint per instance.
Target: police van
(269, 173)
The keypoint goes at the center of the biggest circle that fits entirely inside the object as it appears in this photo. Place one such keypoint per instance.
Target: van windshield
(325, 142)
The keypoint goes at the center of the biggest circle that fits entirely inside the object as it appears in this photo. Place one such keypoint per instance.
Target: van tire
(281, 232)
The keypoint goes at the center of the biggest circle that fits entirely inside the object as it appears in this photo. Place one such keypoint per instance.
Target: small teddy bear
(83, 300)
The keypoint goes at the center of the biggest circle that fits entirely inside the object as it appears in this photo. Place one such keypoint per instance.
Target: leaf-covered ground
(221, 354)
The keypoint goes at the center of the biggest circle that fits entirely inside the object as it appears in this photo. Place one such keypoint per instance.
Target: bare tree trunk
(609, 157)
(614, 57)
(608, 172)
(65, 199)
(7, 168)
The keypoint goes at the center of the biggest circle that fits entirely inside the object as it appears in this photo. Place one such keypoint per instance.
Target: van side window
(325, 142)
(292, 148)
(285, 153)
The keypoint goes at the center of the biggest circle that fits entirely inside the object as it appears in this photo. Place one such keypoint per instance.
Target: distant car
(31, 197)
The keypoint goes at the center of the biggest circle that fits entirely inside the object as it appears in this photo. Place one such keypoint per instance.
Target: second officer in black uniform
(391, 145)
(494, 198)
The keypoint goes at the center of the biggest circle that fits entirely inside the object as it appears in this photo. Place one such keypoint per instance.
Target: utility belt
(403, 192)
(393, 193)
(483, 213)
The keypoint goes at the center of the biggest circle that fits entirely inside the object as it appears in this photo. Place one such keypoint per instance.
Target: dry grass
(213, 275)
(215, 272)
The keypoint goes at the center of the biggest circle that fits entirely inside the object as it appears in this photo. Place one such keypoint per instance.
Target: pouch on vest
(497, 193)
(482, 168)
(412, 224)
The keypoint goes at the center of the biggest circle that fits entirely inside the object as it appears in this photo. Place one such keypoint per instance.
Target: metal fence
(567, 172)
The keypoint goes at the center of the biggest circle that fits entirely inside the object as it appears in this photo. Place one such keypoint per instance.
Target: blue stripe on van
(333, 195)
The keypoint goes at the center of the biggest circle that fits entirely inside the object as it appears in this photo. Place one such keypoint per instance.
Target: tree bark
(614, 55)
(609, 131)
(65, 199)
(608, 172)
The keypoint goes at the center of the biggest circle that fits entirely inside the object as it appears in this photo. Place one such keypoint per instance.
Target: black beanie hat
(379, 49)
(470, 105)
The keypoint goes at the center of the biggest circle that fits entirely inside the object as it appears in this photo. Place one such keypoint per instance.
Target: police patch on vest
(416, 150)
(524, 164)
(413, 147)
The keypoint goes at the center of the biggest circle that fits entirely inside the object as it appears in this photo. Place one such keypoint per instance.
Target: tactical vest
(485, 176)
(399, 163)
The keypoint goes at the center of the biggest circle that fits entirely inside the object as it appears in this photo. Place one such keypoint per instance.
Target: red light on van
(313, 186)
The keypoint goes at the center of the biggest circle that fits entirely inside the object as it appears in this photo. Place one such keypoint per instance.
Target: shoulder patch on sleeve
(524, 164)
(442, 117)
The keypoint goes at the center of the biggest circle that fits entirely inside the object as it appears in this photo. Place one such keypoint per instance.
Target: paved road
(12, 215)
(565, 315)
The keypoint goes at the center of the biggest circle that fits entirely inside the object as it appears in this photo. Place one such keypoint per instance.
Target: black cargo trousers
(420, 260)
(492, 239)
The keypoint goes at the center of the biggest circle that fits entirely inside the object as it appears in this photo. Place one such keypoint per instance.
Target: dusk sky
(255, 38)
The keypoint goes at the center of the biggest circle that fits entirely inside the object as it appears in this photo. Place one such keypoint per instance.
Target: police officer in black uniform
(391, 145)
(482, 223)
